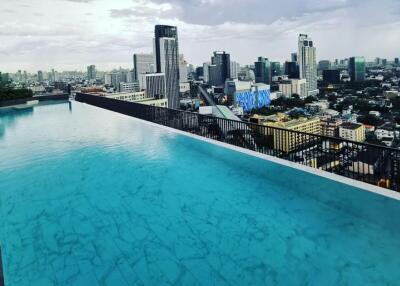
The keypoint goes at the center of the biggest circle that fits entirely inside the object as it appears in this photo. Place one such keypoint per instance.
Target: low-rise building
(330, 126)
(129, 87)
(184, 87)
(381, 133)
(317, 107)
(247, 95)
(138, 97)
(127, 96)
(366, 163)
(352, 131)
(284, 140)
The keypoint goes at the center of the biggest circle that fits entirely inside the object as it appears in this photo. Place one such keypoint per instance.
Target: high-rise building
(324, 65)
(235, 67)
(308, 63)
(294, 86)
(331, 76)
(276, 69)
(4, 77)
(199, 73)
(113, 79)
(154, 84)
(292, 70)
(40, 76)
(167, 61)
(131, 77)
(223, 65)
(206, 72)
(357, 68)
(142, 64)
(293, 57)
(262, 70)
(183, 69)
(25, 79)
(19, 76)
(91, 72)
(396, 61)
(214, 75)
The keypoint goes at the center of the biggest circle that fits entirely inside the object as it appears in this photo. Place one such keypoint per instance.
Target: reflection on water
(10, 116)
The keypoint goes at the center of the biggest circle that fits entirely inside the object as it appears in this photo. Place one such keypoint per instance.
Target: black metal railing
(373, 164)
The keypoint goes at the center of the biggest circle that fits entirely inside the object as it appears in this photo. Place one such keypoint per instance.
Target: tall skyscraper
(214, 75)
(292, 70)
(222, 62)
(276, 69)
(167, 61)
(396, 61)
(142, 64)
(357, 68)
(206, 72)
(308, 64)
(91, 72)
(294, 57)
(40, 76)
(262, 70)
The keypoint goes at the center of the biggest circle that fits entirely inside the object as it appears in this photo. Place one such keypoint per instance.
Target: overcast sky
(71, 34)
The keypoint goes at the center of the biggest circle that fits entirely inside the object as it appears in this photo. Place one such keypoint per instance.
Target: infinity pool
(92, 197)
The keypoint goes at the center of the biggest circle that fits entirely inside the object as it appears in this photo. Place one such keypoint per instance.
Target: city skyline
(107, 34)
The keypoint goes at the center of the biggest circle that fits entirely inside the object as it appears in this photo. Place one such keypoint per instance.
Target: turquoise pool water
(91, 197)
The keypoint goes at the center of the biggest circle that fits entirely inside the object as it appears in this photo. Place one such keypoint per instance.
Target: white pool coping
(348, 181)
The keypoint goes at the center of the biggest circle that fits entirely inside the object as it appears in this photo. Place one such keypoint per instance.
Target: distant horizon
(83, 70)
(108, 34)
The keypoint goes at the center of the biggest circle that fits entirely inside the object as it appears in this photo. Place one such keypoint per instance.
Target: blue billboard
(250, 100)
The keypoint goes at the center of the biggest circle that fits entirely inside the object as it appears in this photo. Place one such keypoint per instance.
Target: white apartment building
(294, 86)
(129, 87)
(138, 97)
(306, 58)
(385, 133)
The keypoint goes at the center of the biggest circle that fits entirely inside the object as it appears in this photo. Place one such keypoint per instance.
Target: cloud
(107, 33)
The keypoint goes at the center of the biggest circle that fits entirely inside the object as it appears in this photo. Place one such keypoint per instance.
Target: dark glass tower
(276, 68)
(262, 70)
(357, 68)
(292, 70)
(167, 60)
(223, 67)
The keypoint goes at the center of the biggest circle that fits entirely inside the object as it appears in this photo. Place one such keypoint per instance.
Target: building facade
(262, 70)
(294, 86)
(166, 47)
(357, 68)
(154, 85)
(129, 87)
(331, 76)
(352, 132)
(91, 72)
(308, 64)
(289, 141)
(142, 64)
(183, 69)
(222, 63)
(292, 70)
